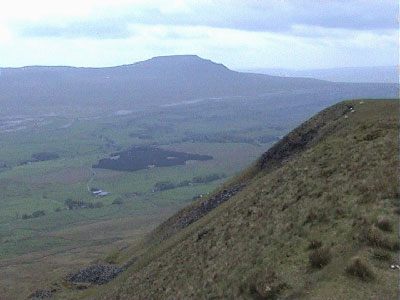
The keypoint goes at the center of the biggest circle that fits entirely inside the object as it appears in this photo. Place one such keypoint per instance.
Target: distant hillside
(316, 217)
(386, 74)
(160, 80)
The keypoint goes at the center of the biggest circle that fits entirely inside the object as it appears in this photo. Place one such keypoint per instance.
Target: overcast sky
(299, 34)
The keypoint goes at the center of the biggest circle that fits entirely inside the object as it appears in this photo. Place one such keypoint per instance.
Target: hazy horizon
(206, 58)
(239, 34)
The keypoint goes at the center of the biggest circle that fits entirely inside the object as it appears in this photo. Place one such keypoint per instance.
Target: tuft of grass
(263, 285)
(376, 238)
(314, 244)
(360, 269)
(385, 224)
(319, 258)
(314, 217)
(381, 254)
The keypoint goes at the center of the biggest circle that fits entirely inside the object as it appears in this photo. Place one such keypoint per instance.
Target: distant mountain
(387, 74)
(157, 81)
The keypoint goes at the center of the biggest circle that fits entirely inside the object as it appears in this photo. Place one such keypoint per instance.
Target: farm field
(51, 222)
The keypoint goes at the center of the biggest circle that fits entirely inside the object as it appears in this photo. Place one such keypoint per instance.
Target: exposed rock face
(208, 205)
(308, 133)
(97, 274)
(194, 212)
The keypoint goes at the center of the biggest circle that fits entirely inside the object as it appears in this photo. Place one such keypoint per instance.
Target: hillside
(316, 217)
(157, 81)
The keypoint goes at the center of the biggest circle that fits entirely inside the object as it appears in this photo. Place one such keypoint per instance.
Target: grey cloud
(352, 14)
(280, 15)
(270, 16)
(178, 35)
(105, 29)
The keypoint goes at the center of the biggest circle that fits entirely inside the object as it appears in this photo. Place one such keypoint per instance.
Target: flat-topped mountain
(178, 65)
(158, 81)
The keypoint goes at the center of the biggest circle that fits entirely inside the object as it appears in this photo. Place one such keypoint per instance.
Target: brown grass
(385, 224)
(360, 269)
(381, 254)
(376, 238)
(319, 258)
(262, 284)
(314, 244)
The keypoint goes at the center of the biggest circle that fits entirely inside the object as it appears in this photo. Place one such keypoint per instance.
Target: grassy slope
(333, 180)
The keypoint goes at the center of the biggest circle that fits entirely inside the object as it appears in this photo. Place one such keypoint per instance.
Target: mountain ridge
(159, 81)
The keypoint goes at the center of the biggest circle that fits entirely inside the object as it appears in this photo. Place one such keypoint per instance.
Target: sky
(241, 34)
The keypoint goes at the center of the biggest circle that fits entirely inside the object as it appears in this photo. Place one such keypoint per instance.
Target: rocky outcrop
(97, 274)
(308, 133)
(193, 213)
(207, 205)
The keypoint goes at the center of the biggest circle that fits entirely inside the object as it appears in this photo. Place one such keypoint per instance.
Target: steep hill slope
(316, 217)
(157, 81)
